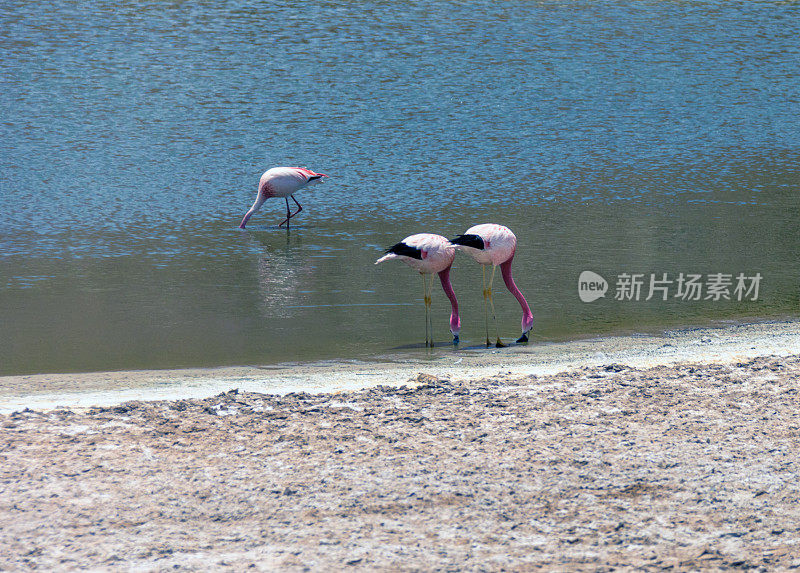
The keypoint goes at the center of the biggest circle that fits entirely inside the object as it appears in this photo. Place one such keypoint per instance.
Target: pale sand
(630, 458)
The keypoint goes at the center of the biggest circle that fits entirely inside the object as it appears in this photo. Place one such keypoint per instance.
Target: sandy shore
(683, 465)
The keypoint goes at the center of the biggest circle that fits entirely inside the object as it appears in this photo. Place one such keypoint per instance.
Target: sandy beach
(668, 452)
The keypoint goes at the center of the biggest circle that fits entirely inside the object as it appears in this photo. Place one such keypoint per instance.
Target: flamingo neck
(447, 287)
(245, 219)
(527, 315)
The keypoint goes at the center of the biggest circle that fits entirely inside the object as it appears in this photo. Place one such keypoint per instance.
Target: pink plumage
(492, 244)
(282, 182)
(429, 254)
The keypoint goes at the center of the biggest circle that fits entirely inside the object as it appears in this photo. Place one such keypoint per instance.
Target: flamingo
(282, 182)
(495, 245)
(428, 254)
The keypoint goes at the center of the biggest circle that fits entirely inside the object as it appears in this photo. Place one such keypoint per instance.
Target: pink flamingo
(282, 182)
(491, 244)
(429, 254)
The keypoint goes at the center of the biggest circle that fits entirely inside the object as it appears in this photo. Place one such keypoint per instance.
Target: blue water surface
(653, 136)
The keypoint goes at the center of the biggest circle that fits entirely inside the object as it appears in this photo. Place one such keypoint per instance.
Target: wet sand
(680, 466)
(727, 343)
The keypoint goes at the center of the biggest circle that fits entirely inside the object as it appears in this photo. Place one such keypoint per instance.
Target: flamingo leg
(485, 307)
(499, 343)
(427, 308)
(428, 301)
(487, 293)
(299, 206)
(289, 214)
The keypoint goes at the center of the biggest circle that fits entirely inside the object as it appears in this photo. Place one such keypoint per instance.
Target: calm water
(618, 137)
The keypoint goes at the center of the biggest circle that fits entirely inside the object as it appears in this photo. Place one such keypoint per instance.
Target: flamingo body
(489, 244)
(425, 253)
(429, 254)
(281, 182)
(492, 244)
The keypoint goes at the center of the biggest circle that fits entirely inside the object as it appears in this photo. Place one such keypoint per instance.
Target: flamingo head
(527, 326)
(472, 241)
(455, 327)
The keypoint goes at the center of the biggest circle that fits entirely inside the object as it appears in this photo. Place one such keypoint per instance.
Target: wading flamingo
(495, 245)
(282, 182)
(429, 254)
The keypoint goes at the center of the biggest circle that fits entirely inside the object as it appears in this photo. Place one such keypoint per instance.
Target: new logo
(591, 286)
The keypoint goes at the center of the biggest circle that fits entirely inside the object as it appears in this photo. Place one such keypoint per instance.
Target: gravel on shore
(680, 467)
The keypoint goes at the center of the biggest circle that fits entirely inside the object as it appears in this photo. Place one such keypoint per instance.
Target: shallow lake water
(625, 138)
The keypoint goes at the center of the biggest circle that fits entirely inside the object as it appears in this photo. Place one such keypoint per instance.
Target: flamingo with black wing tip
(282, 182)
(491, 244)
(428, 254)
